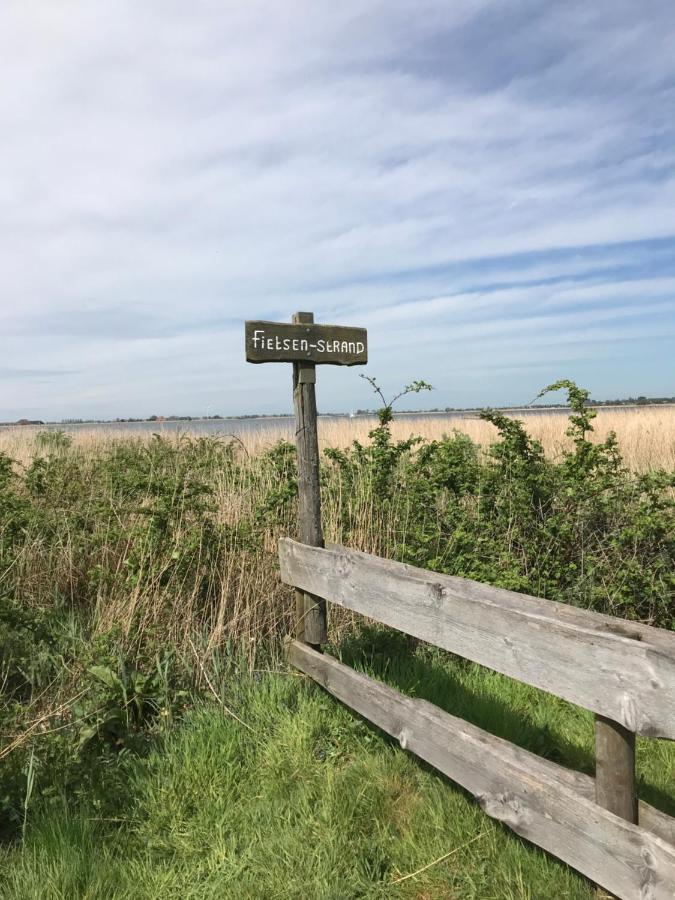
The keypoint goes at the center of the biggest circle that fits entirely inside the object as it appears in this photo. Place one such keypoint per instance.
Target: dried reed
(646, 435)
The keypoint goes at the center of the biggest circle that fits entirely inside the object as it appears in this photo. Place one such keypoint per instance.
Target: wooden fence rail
(624, 672)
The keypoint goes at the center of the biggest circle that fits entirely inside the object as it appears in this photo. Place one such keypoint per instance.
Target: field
(646, 435)
(156, 745)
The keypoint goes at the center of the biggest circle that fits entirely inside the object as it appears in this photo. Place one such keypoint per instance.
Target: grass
(307, 800)
(646, 435)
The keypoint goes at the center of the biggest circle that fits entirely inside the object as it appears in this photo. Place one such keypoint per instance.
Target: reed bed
(231, 592)
(88, 541)
(646, 435)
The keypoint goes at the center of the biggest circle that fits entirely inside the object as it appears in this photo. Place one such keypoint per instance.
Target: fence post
(615, 787)
(311, 625)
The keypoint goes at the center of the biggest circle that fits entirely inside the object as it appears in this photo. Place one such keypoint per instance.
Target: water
(275, 424)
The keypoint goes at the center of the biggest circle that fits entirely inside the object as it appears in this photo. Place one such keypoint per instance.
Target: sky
(487, 187)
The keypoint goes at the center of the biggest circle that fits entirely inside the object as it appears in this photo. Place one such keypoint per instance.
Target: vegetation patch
(153, 742)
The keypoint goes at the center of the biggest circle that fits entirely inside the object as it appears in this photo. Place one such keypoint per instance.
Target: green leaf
(107, 676)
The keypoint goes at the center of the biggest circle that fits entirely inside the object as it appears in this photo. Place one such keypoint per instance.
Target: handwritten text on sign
(333, 344)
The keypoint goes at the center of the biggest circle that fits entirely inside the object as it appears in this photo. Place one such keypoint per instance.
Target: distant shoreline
(436, 413)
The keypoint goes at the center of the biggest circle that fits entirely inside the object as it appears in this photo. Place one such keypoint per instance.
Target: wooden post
(615, 787)
(306, 345)
(311, 625)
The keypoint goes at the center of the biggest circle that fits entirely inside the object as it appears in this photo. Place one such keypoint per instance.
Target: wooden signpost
(303, 341)
(307, 344)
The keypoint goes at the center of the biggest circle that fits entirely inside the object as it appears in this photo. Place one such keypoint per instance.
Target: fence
(622, 671)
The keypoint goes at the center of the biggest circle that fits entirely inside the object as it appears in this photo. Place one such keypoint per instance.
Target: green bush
(582, 530)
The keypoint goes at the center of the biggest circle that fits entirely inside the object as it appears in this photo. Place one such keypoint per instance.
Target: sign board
(305, 344)
(335, 345)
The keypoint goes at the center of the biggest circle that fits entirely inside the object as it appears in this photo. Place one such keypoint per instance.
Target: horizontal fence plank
(545, 803)
(621, 671)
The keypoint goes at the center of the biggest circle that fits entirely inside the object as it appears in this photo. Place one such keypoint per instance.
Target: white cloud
(166, 172)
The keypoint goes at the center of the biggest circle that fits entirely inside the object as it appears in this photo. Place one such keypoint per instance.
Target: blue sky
(488, 187)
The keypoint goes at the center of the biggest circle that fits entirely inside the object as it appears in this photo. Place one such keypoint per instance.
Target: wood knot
(404, 738)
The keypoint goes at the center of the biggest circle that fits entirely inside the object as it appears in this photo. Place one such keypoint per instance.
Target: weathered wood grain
(336, 345)
(615, 786)
(311, 617)
(623, 672)
(546, 804)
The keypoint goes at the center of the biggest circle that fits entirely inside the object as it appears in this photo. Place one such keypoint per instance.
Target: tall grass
(646, 436)
(179, 533)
